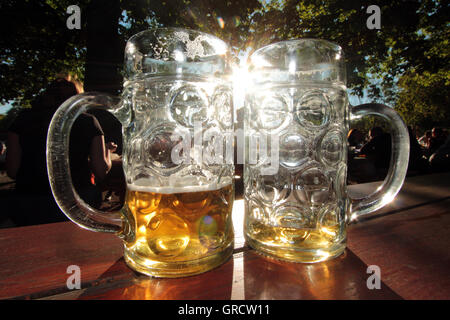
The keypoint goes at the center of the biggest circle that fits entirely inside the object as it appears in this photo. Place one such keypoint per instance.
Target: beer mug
(297, 118)
(176, 115)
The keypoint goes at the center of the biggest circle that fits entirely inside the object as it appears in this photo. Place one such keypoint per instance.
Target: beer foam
(145, 185)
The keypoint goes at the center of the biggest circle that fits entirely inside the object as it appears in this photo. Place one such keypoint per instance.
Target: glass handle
(398, 164)
(58, 163)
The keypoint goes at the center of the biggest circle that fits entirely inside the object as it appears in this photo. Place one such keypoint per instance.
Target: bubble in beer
(329, 222)
(147, 202)
(131, 201)
(154, 223)
(208, 232)
(185, 226)
(191, 202)
(293, 235)
(167, 235)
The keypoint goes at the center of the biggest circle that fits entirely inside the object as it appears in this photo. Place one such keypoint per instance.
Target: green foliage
(408, 56)
(404, 64)
(410, 32)
(7, 120)
(424, 98)
(228, 20)
(35, 46)
(367, 123)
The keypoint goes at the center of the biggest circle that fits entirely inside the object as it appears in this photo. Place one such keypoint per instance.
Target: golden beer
(179, 233)
(317, 244)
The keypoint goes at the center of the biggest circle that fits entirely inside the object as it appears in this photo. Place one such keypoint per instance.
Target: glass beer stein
(176, 112)
(295, 169)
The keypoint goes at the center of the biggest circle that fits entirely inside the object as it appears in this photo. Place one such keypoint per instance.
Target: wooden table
(408, 240)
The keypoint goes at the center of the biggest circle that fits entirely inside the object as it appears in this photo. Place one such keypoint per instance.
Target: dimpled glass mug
(176, 220)
(295, 169)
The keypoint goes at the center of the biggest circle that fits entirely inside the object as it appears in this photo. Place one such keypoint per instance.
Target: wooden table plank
(342, 278)
(412, 249)
(257, 278)
(416, 191)
(105, 275)
(212, 285)
(34, 260)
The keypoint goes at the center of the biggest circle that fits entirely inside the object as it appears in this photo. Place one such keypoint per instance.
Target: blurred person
(437, 139)
(440, 160)
(424, 141)
(2, 157)
(2, 151)
(26, 156)
(378, 150)
(355, 139)
(417, 160)
(357, 171)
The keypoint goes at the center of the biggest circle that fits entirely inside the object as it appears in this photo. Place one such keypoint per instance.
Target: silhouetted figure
(378, 151)
(424, 141)
(440, 160)
(2, 153)
(355, 139)
(26, 157)
(378, 148)
(357, 171)
(437, 139)
(417, 160)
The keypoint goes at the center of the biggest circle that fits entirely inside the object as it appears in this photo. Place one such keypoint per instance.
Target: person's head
(436, 132)
(354, 137)
(71, 78)
(55, 94)
(375, 132)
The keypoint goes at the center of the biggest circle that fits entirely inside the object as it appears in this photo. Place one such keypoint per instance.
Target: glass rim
(166, 51)
(159, 31)
(332, 45)
(299, 60)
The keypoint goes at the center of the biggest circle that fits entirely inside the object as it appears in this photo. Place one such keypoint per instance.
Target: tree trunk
(104, 60)
(104, 50)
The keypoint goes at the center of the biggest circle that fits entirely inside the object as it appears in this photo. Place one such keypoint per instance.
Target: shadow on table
(121, 283)
(260, 278)
(343, 278)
